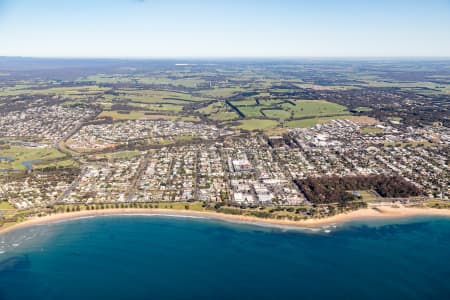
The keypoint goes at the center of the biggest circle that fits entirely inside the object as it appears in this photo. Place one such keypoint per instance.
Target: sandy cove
(381, 213)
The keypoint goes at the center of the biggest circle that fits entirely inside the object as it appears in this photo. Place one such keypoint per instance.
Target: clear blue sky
(245, 28)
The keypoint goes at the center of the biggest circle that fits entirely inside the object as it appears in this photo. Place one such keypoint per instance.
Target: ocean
(160, 257)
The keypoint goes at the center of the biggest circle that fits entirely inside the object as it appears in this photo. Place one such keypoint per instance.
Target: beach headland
(369, 214)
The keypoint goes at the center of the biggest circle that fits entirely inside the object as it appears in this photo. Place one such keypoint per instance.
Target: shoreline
(369, 214)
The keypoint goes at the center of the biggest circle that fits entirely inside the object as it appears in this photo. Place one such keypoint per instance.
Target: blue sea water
(155, 257)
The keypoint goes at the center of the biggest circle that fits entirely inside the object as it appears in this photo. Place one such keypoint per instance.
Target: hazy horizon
(238, 58)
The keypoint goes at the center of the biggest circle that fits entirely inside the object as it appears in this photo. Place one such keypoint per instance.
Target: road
(71, 186)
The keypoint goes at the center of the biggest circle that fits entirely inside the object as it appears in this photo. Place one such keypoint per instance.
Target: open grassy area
(16, 157)
(371, 130)
(424, 87)
(5, 205)
(183, 82)
(194, 206)
(152, 96)
(282, 110)
(69, 92)
(134, 115)
(272, 113)
(367, 196)
(103, 78)
(314, 108)
(395, 120)
(244, 103)
(325, 87)
(151, 100)
(185, 138)
(277, 114)
(162, 108)
(188, 82)
(435, 203)
(138, 101)
(270, 103)
(251, 111)
(221, 92)
(57, 164)
(256, 124)
(219, 111)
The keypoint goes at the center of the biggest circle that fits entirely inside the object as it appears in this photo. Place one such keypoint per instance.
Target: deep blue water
(143, 257)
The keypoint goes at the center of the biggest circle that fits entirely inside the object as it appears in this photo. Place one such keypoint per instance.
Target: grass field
(143, 79)
(256, 124)
(395, 119)
(325, 87)
(282, 110)
(151, 100)
(270, 103)
(70, 92)
(277, 114)
(244, 103)
(435, 203)
(20, 155)
(219, 111)
(367, 196)
(183, 82)
(194, 206)
(151, 96)
(371, 130)
(251, 111)
(314, 108)
(5, 205)
(57, 164)
(221, 92)
(103, 78)
(134, 115)
(150, 107)
(414, 86)
(163, 107)
(272, 113)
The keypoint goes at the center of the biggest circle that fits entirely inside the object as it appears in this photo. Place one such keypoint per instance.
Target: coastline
(370, 214)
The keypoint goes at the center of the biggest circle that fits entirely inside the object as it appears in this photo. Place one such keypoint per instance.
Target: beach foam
(314, 225)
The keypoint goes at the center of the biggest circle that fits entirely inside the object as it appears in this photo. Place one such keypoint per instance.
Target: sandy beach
(380, 213)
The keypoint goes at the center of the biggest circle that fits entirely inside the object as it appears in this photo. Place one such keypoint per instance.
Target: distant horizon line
(232, 57)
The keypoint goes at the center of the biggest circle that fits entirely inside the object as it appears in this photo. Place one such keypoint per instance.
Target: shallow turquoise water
(143, 257)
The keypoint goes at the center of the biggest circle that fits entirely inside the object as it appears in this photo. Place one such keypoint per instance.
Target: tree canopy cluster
(334, 189)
